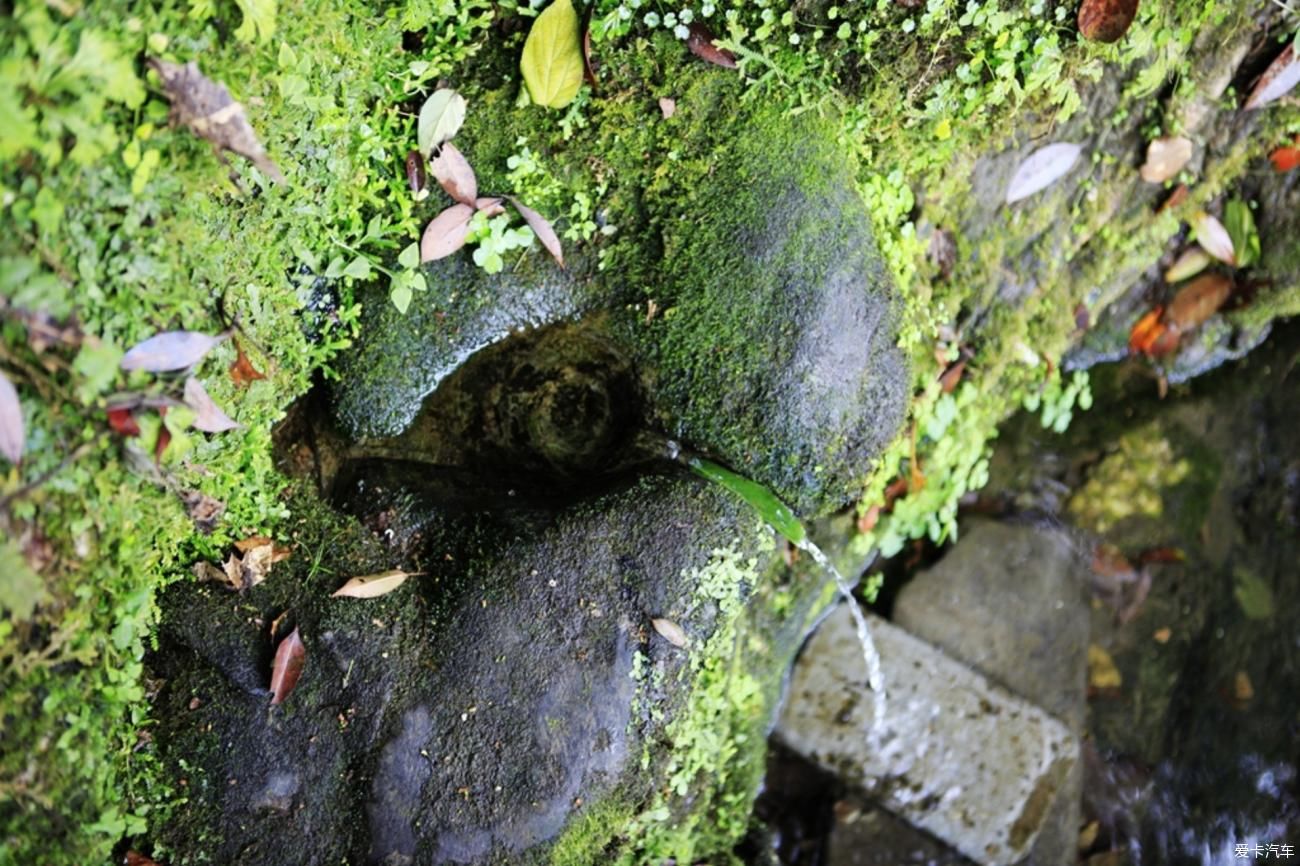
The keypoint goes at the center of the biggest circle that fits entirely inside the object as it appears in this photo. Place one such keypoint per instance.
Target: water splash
(779, 516)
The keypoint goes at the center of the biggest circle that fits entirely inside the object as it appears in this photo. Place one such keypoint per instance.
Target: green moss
(588, 837)
(1130, 482)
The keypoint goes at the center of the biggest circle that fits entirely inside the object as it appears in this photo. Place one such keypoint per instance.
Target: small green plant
(495, 238)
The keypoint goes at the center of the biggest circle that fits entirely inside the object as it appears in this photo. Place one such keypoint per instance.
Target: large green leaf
(552, 61)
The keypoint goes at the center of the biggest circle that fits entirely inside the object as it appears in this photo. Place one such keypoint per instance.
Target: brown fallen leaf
(208, 109)
(700, 42)
(135, 858)
(1282, 75)
(588, 72)
(453, 173)
(204, 510)
(279, 552)
(667, 107)
(1197, 301)
(373, 585)
(13, 432)
(169, 351)
(669, 631)
(950, 378)
(208, 416)
(545, 233)
(1214, 238)
(445, 233)
(490, 205)
(1106, 20)
(869, 519)
(1165, 158)
(242, 371)
(1242, 689)
(290, 657)
(942, 253)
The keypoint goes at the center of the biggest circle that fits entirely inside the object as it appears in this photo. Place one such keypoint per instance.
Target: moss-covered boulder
(766, 336)
(515, 703)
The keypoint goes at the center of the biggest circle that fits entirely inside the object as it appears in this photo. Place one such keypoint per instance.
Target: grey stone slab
(958, 756)
(1011, 601)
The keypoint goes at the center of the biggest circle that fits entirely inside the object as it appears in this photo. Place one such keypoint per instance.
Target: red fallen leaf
(1282, 75)
(1145, 333)
(1160, 555)
(445, 233)
(541, 228)
(290, 657)
(242, 371)
(950, 378)
(135, 858)
(164, 438)
(13, 433)
(1177, 197)
(415, 176)
(171, 350)
(122, 421)
(1106, 20)
(700, 43)
(1197, 301)
(1285, 158)
(454, 174)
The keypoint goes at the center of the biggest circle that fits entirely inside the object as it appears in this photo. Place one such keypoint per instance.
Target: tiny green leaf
(440, 119)
(400, 296)
(358, 268)
(409, 257)
(552, 62)
(1240, 223)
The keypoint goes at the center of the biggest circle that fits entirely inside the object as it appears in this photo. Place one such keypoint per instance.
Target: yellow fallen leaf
(669, 631)
(1102, 673)
(374, 585)
(552, 61)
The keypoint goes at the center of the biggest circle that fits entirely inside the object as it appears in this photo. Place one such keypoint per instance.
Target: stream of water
(779, 516)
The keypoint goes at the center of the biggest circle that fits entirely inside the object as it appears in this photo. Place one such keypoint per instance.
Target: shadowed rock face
(456, 720)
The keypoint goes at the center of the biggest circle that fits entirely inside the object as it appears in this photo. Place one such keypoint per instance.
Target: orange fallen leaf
(242, 371)
(1162, 635)
(290, 657)
(1146, 332)
(1285, 158)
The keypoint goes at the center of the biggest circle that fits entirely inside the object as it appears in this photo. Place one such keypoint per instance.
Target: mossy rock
(481, 712)
(765, 338)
